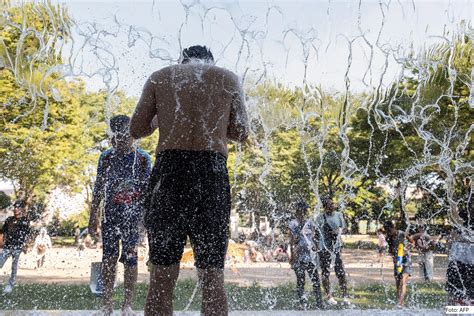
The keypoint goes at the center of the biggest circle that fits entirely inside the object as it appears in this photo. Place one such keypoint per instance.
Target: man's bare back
(195, 106)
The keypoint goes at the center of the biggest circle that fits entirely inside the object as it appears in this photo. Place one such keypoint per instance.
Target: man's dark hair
(196, 52)
(301, 206)
(19, 204)
(119, 123)
(388, 225)
(326, 200)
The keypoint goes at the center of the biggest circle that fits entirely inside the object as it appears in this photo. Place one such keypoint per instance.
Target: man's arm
(5, 228)
(141, 122)
(343, 224)
(238, 128)
(97, 196)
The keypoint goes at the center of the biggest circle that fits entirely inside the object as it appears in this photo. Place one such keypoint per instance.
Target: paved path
(63, 265)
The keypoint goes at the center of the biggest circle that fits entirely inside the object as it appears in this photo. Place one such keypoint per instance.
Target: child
(42, 245)
(382, 244)
(398, 247)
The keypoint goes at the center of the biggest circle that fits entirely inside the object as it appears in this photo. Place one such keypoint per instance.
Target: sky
(116, 45)
(121, 42)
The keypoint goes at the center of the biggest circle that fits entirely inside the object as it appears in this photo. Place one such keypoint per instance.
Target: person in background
(88, 241)
(399, 245)
(42, 246)
(331, 225)
(16, 233)
(122, 177)
(460, 272)
(77, 235)
(280, 253)
(381, 244)
(304, 246)
(425, 244)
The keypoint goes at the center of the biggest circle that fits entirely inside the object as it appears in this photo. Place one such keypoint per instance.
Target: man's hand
(93, 219)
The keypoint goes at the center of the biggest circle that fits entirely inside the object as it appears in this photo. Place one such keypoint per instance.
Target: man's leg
(130, 282)
(109, 270)
(110, 254)
(398, 283)
(214, 298)
(402, 288)
(429, 266)
(15, 258)
(341, 274)
(325, 260)
(300, 276)
(4, 257)
(313, 275)
(160, 293)
(209, 228)
(129, 258)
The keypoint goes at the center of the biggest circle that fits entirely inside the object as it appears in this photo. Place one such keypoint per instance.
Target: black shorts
(189, 195)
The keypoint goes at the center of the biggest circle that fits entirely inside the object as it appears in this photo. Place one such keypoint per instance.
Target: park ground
(62, 284)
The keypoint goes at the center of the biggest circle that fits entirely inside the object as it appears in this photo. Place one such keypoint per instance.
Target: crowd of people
(197, 107)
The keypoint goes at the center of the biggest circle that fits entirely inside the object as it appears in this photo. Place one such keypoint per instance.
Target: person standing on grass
(197, 107)
(460, 272)
(16, 233)
(399, 245)
(331, 225)
(122, 177)
(42, 246)
(77, 235)
(304, 243)
(381, 245)
(425, 244)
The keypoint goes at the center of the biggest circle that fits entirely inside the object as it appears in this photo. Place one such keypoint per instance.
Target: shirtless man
(197, 107)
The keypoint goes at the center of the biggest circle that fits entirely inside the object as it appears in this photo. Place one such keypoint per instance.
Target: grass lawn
(62, 241)
(78, 297)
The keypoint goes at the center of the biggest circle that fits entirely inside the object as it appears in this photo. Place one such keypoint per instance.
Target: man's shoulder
(107, 154)
(293, 223)
(336, 215)
(223, 71)
(169, 70)
(165, 71)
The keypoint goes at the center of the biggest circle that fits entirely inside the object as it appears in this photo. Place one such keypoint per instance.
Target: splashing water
(366, 101)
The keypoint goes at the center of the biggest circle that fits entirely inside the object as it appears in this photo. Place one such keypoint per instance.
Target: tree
(5, 200)
(418, 131)
(52, 129)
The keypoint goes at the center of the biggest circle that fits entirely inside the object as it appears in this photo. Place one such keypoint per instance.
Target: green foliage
(304, 141)
(5, 200)
(52, 130)
(67, 227)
